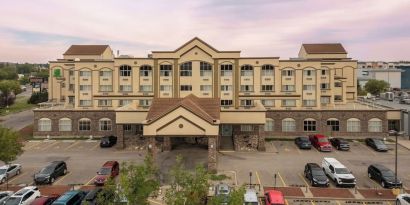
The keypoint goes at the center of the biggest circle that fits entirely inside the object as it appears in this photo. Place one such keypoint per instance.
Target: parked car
(8, 171)
(91, 197)
(23, 196)
(316, 176)
(4, 195)
(51, 172)
(338, 172)
(274, 197)
(250, 197)
(222, 190)
(340, 143)
(70, 198)
(110, 169)
(383, 175)
(376, 144)
(320, 142)
(45, 200)
(108, 141)
(403, 199)
(303, 143)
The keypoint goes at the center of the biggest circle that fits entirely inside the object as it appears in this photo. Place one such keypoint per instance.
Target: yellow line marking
(50, 145)
(31, 146)
(338, 203)
(303, 178)
(286, 202)
(95, 146)
(257, 177)
(313, 203)
(388, 203)
(72, 145)
(283, 181)
(155, 202)
(16, 177)
(91, 180)
(61, 178)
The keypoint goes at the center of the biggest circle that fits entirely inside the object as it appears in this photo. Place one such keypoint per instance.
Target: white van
(338, 172)
(250, 197)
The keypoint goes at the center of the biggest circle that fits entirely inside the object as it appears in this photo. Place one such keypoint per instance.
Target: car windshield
(13, 201)
(342, 171)
(104, 171)
(322, 139)
(318, 172)
(304, 139)
(388, 173)
(251, 203)
(223, 191)
(378, 142)
(47, 170)
(3, 171)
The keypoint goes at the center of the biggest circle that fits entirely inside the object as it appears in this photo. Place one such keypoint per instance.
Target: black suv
(51, 172)
(108, 141)
(383, 175)
(376, 144)
(316, 175)
(303, 142)
(340, 144)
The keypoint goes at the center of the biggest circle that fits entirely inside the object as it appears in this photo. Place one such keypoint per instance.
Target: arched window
(267, 70)
(309, 72)
(205, 69)
(288, 72)
(145, 71)
(246, 70)
(333, 124)
(105, 124)
(84, 124)
(165, 70)
(186, 69)
(269, 125)
(309, 125)
(226, 70)
(125, 70)
(375, 125)
(288, 125)
(353, 125)
(105, 73)
(44, 124)
(64, 124)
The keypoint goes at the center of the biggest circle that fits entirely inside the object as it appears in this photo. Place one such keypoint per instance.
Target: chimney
(118, 53)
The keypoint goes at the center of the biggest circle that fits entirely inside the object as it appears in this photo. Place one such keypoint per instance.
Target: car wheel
(383, 185)
(370, 175)
(3, 180)
(52, 180)
(337, 147)
(311, 182)
(18, 172)
(65, 172)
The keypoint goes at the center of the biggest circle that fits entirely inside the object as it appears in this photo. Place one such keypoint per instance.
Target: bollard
(91, 137)
(48, 137)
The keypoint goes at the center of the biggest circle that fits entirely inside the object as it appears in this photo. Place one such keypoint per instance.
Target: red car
(274, 197)
(320, 142)
(110, 169)
(45, 200)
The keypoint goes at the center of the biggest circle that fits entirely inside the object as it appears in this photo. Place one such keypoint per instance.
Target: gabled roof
(206, 108)
(324, 48)
(200, 40)
(86, 50)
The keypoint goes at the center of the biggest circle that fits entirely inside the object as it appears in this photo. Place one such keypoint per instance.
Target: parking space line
(95, 146)
(388, 203)
(286, 202)
(257, 177)
(283, 181)
(31, 146)
(371, 151)
(303, 178)
(61, 178)
(236, 178)
(72, 145)
(91, 180)
(313, 203)
(50, 145)
(17, 177)
(338, 203)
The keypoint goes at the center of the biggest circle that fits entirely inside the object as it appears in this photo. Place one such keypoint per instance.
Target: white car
(4, 195)
(338, 172)
(23, 196)
(403, 199)
(8, 171)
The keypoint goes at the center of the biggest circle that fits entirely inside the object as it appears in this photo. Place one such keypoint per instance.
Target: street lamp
(250, 179)
(396, 134)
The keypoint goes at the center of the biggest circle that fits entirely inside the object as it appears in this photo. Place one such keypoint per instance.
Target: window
(324, 86)
(105, 88)
(186, 87)
(246, 88)
(64, 124)
(375, 125)
(309, 72)
(338, 84)
(226, 87)
(71, 87)
(107, 73)
(105, 124)
(267, 87)
(145, 88)
(125, 70)
(269, 124)
(186, 69)
(127, 127)
(309, 103)
(85, 73)
(165, 88)
(85, 102)
(165, 70)
(267, 70)
(125, 88)
(205, 69)
(145, 71)
(309, 87)
(226, 70)
(287, 73)
(85, 87)
(124, 102)
(353, 125)
(104, 103)
(71, 73)
(205, 88)
(247, 70)
(246, 102)
(338, 98)
(268, 103)
(288, 103)
(309, 125)
(288, 88)
(226, 102)
(246, 128)
(288, 125)
(44, 124)
(334, 124)
(324, 100)
(145, 103)
(324, 72)
(84, 124)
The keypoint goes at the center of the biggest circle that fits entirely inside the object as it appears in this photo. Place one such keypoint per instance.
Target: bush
(38, 98)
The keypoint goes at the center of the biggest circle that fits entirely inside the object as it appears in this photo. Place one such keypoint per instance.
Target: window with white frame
(267, 88)
(44, 125)
(246, 128)
(226, 88)
(205, 69)
(127, 127)
(325, 100)
(85, 102)
(186, 87)
(125, 70)
(375, 125)
(246, 70)
(165, 70)
(64, 125)
(84, 124)
(288, 73)
(268, 102)
(84, 73)
(145, 103)
(267, 70)
(309, 125)
(85, 87)
(288, 125)
(334, 124)
(105, 88)
(125, 88)
(288, 88)
(309, 73)
(166, 88)
(186, 69)
(105, 124)
(353, 125)
(105, 73)
(205, 88)
(269, 125)
(145, 88)
(145, 71)
(124, 102)
(288, 103)
(309, 103)
(226, 102)
(324, 86)
(309, 87)
(246, 103)
(246, 88)
(104, 103)
(226, 70)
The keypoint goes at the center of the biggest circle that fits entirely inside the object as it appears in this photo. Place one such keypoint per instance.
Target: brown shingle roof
(205, 108)
(329, 48)
(86, 50)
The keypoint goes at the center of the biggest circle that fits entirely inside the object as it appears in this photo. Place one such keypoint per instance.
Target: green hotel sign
(57, 72)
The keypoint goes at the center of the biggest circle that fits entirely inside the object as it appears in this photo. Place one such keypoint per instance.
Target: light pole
(250, 179)
(396, 134)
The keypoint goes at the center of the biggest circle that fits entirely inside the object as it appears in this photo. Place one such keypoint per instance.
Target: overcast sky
(41, 30)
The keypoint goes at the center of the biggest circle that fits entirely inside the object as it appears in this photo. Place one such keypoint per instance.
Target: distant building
(405, 75)
(387, 71)
(38, 84)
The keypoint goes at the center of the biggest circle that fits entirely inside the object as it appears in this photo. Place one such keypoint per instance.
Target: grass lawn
(26, 133)
(19, 105)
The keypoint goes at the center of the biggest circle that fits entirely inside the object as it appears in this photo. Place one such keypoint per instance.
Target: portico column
(120, 136)
(167, 144)
(212, 153)
(152, 147)
(261, 138)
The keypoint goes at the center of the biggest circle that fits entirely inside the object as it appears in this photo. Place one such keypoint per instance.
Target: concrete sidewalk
(404, 143)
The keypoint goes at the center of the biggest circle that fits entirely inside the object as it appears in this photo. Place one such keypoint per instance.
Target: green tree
(138, 182)
(10, 146)
(42, 74)
(38, 97)
(236, 196)
(7, 87)
(375, 87)
(109, 194)
(24, 80)
(8, 73)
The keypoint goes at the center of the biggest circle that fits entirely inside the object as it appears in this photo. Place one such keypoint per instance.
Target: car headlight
(315, 180)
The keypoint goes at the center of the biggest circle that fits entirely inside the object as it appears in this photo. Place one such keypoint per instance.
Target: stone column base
(120, 137)
(212, 154)
(167, 146)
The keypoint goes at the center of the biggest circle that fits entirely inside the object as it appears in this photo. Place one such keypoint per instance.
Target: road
(17, 121)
